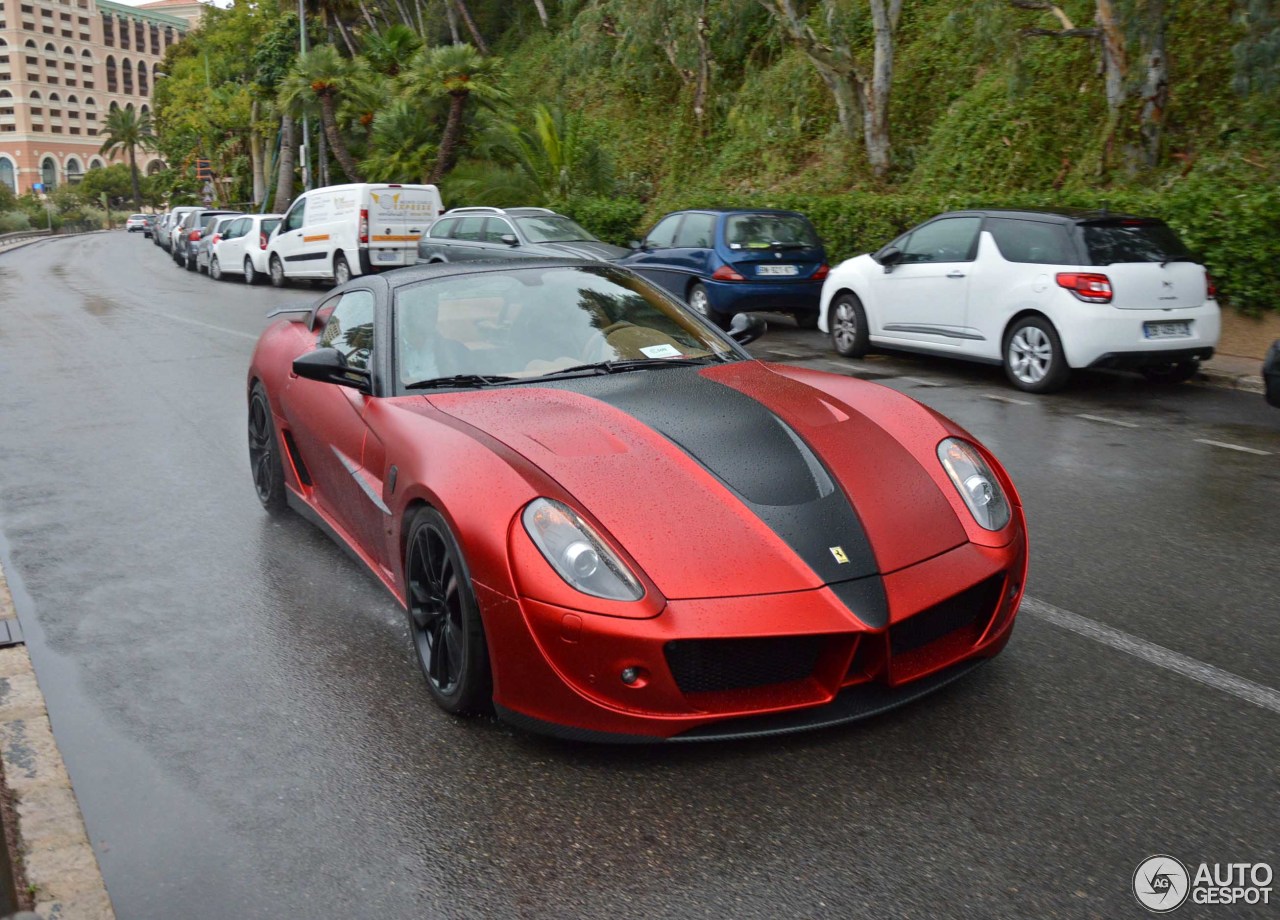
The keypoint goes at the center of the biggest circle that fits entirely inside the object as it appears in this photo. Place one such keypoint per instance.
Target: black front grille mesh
(972, 606)
(711, 665)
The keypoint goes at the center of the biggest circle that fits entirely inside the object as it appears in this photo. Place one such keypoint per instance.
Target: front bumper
(748, 666)
(782, 296)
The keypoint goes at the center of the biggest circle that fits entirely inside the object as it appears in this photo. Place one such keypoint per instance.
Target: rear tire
(192, 264)
(278, 278)
(444, 617)
(1170, 374)
(1033, 358)
(341, 270)
(847, 321)
(264, 453)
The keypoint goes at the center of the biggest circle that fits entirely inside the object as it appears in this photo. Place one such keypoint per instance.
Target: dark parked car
(194, 226)
(727, 262)
(1271, 374)
(473, 234)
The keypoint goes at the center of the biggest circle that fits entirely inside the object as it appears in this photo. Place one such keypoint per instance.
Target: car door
(287, 243)
(690, 253)
(495, 228)
(923, 297)
(436, 243)
(467, 243)
(654, 258)
(231, 250)
(328, 425)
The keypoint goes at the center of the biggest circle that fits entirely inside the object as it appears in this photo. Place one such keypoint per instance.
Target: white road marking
(923, 382)
(196, 322)
(1158, 655)
(1009, 399)
(1239, 447)
(1107, 421)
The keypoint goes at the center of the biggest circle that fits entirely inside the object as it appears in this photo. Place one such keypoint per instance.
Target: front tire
(215, 269)
(264, 453)
(444, 617)
(277, 272)
(250, 273)
(1033, 358)
(1170, 374)
(341, 270)
(847, 321)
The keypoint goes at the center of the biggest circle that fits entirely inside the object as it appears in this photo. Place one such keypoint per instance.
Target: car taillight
(1212, 285)
(262, 241)
(364, 225)
(1086, 286)
(213, 239)
(823, 270)
(194, 237)
(726, 273)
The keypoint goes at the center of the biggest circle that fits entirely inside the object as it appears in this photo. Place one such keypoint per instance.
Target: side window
(697, 231)
(241, 227)
(947, 240)
(663, 236)
(470, 229)
(350, 328)
(495, 228)
(443, 229)
(294, 219)
(1031, 241)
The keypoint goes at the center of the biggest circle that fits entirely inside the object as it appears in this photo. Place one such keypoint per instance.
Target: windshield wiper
(618, 367)
(457, 380)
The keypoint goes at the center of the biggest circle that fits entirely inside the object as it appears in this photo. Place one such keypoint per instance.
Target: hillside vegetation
(868, 115)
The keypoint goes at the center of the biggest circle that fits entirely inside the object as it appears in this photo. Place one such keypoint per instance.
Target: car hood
(584, 249)
(725, 480)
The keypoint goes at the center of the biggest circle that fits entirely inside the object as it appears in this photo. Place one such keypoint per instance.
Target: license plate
(385, 255)
(776, 270)
(1167, 330)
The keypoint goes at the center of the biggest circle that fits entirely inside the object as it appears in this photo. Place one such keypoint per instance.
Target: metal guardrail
(21, 235)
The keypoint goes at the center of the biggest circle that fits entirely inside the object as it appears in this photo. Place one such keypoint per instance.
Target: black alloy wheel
(264, 453)
(444, 617)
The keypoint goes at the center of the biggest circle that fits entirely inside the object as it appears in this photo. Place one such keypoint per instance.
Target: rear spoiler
(293, 314)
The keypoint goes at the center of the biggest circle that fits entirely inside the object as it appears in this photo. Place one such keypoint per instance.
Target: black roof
(1052, 215)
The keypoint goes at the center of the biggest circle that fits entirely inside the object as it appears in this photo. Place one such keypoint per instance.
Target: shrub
(13, 222)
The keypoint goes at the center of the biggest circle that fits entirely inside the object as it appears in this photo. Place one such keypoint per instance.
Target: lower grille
(971, 607)
(712, 665)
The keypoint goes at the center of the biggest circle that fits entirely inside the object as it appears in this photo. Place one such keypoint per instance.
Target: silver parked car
(473, 234)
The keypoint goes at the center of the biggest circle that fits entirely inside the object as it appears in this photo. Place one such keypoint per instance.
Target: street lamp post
(306, 132)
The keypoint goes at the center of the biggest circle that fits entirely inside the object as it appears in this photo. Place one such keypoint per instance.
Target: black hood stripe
(759, 458)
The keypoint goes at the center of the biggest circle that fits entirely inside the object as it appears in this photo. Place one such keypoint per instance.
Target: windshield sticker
(661, 351)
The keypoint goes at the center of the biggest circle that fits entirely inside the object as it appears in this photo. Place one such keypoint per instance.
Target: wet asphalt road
(248, 734)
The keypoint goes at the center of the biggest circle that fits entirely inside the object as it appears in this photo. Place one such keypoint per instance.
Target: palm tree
(322, 75)
(391, 52)
(460, 73)
(125, 129)
(547, 164)
(401, 148)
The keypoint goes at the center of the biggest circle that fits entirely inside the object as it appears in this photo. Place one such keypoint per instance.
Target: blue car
(727, 262)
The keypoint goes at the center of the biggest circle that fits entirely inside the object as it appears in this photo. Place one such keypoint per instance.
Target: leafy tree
(128, 131)
(115, 180)
(458, 73)
(390, 52)
(323, 75)
(402, 146)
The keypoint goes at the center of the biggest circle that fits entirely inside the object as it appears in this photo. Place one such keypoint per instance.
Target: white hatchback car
(242, 249)
(1040, 292)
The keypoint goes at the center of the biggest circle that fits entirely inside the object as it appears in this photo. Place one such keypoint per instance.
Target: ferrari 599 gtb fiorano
(606, 521)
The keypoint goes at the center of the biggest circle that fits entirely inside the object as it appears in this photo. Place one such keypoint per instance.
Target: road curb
(1250, 383)
(44, 239)
(52, 856)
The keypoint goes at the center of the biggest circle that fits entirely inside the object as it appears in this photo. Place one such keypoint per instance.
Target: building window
(126, 71)
(111, 75)
(142, 78)
(108, 30)
(139, 36)
(7, 175)
(168, 36)
(155, 39)
(124, 33)
(49, 174)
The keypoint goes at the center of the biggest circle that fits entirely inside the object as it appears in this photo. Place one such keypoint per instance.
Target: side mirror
(889, 257)
(509, 239)
(634, 245)
(328, 365)
(746, 328)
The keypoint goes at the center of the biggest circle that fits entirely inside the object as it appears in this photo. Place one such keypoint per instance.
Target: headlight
(577, 554)
(975, 482)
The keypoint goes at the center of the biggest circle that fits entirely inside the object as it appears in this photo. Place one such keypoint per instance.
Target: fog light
(630, 676)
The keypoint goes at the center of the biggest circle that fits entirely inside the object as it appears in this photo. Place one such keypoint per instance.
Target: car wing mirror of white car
(888, 258)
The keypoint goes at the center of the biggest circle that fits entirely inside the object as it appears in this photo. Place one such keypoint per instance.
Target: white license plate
(1167, 330)
(387, 256)
(776, 270)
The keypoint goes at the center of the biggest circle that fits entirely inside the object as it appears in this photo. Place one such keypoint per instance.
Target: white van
(341, 231)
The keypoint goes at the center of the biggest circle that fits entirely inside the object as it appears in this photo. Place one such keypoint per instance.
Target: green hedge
(1236, 228)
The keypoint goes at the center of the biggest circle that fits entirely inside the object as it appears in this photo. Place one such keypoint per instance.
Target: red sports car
(608, 522)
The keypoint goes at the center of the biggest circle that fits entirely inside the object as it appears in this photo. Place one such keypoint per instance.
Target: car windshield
(1132, 240)
(524, 323)
(138, 217)
(763, 231)
(552, 228)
